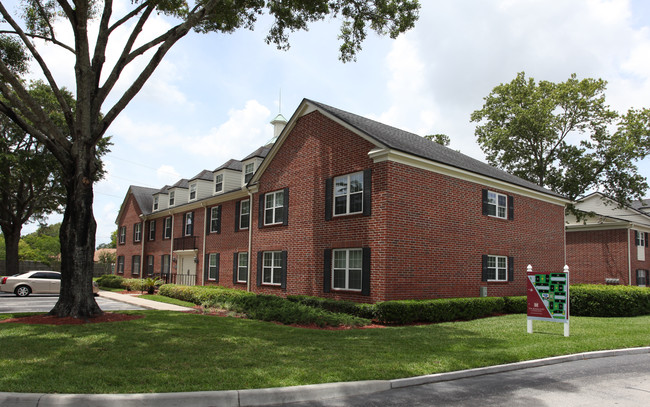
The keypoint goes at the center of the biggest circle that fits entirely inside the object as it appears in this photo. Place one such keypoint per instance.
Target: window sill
(273, 225)
(345, 291)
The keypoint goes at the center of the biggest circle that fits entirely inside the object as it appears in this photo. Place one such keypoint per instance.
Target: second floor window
(167, 232)
(137, 232)
(244, 214)
(152, 230)
(348, 194)
(274, 208)
(189, 224)
(215, 219)
(122, 235)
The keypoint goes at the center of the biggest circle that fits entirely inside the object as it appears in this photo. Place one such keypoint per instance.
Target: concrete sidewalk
(135, 300)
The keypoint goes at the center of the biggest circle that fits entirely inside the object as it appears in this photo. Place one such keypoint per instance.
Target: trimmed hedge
(439, 310)
(260, 307)
(345, 307)
(592, 300)
(110, 281)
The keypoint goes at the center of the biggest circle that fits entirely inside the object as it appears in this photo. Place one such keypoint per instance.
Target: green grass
(167, 300)
(170, 352)
(117, 290)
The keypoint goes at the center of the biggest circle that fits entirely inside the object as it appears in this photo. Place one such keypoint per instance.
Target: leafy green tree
(112, 244)
(75, 147)
(563, 136)
(442, 139)
(42, 246)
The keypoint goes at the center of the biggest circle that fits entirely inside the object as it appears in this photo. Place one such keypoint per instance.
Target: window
(171, 198)
(498, 205)
(215, 220)
(244, 214)
(155, 203)
(498, 268)
(167, 229)
(274, 208)
(188, 223)
(640, 238)
(122, 237)
(120, 264)
(347, 266)
(241, 267)
(150, 265)
(164, 264)
(135, 265)
(192, 192)
(218, 183)
(213, 266)
(137, 232)
(348, 194)
(272, 268)
(248, 172)
(152, 230)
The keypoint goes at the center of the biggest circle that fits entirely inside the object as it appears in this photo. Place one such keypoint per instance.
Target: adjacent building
(345, 207)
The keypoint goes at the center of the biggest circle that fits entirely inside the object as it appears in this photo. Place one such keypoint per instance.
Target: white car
(35, 282)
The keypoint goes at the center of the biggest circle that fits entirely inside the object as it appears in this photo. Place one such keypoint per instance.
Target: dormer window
(192, 192)
(218, 183)
(155, 203)
(248, 172)
(171, 198)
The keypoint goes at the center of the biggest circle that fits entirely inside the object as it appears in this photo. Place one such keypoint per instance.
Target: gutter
(205, 228)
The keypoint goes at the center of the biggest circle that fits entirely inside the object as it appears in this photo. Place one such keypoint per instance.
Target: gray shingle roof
(260, 152)
(641, 204)
(410, 143)
(183, 183)
(144, 197)
(204, 175)
(230, 165)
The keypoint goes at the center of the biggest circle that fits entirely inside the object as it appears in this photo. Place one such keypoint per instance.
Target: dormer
(178, 193)
(161, 199)
(200, 186)
(251, 163)
(227, 177)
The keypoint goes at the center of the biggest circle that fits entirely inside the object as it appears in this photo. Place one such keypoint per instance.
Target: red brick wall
(130, 216)
(158, 246)
(634, 257)
(593, 256)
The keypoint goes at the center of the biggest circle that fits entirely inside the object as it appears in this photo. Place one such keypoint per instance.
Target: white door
(186, 270)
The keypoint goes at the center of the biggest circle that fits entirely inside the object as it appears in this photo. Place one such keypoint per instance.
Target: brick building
(609, 244)
(345, 207)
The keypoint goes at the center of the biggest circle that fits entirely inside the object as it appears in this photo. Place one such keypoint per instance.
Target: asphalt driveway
(9, 303)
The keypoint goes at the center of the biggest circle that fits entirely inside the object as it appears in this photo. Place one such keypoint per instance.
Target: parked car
(35, 282)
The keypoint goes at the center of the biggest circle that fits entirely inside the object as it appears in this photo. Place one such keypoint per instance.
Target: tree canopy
(93, 24)
(563, 136)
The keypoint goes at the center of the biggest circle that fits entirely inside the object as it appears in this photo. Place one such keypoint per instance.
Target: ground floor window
(347, 265)
(135, 265)
(242, 267)
(164, 264)
(150, 265)
(120, 264)
(213, 266)
(272, 268)
(642, 278)
(498, 268)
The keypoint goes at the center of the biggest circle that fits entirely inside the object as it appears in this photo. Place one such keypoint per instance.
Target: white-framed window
(214, 219)
(249, 169)
(122, 235)
(120, 264)
(274, 208)
(497, 205)
(137, 232)
(347, 268)
(135, 265)
(348, 194)
(639, 238)
(218, 183)
(155, 203)
(168, 228)
(244, 214)
(212, 266)
(171, 198)
(150, 265)
(272, 268)
(189, 224)
(152, 230)
(242, 267)
(192, 191)
(497, 268)
(164, 264)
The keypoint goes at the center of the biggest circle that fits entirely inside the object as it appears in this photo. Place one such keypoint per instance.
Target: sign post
(548, 298)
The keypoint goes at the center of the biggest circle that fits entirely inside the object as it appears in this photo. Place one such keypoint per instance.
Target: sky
(213, 96)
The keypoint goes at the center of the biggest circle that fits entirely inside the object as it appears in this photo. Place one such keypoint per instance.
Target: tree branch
(128, 16)
(44, 38)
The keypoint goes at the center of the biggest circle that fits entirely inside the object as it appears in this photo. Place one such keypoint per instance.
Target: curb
(281, 395)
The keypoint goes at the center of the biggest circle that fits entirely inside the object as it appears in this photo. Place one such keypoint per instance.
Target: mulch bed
(44, 319)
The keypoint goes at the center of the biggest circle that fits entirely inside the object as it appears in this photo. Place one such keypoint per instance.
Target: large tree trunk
(12, 239)
(77, 238)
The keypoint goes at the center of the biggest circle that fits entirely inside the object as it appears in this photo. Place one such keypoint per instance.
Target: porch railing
(185, 243)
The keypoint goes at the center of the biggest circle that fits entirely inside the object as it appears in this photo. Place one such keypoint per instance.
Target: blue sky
(214, 95)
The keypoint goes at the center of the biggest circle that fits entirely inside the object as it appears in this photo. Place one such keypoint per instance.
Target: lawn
(177, 352)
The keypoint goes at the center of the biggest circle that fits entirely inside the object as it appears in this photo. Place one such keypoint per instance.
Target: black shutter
(134, 232)
(484, 274)
(511, 208)
(206, 269)
(235, 267)
(329, 185)
(485, 203)
(286, 206)
(216, 274)
(367, 192)
(260, 218)
(365, 271)
(192, 225)
(184, 223)
(259, 268)
(283, 275)
(219, 219)
(327, 271)
(208, 217)
(646, 239)
(511, 269)
(237, 209)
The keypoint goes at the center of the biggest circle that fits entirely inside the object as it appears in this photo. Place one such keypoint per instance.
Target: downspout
(250, 237)
(205, 228)
(143, 240)
(171, 247)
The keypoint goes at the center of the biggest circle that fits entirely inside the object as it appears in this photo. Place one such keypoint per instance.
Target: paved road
(620, 381)
(9, 303)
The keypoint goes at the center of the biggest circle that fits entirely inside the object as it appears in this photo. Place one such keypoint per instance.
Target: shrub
(110, 281)
(439, 310)
(345, 307)
(134, 284)
(515, 305)
(608, 301)
(260, 307)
